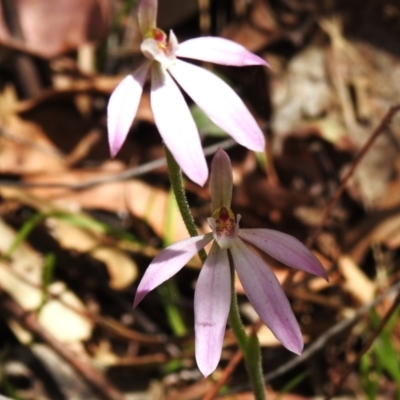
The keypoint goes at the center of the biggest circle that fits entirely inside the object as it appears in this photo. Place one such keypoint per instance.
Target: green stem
(249, 345)
(169, 290)
(175, 176)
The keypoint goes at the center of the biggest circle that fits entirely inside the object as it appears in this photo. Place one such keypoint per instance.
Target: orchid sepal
(147, 16)
(221, 182)
(219, 51)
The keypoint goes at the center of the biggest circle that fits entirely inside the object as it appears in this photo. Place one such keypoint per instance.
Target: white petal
(267, 297)
(284, 248)
(219, 51)
(222, 105)
(176, 125)
(168, 263)
(123, 105)
(212, 301)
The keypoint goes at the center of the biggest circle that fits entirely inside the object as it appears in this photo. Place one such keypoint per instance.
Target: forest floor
(78, 229)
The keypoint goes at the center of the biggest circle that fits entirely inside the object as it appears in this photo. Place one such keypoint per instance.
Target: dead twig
(328, 210)
(122, 176)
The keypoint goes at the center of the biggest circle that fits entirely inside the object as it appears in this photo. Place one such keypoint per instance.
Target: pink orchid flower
(213, 290)
(171, 113)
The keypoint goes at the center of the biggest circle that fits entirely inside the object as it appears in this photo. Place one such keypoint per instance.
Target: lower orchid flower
(213, 290)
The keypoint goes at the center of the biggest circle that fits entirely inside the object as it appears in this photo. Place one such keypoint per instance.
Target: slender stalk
(175, 176)
(169, 290)
(252, 359)
(234, 320)
(249, 345)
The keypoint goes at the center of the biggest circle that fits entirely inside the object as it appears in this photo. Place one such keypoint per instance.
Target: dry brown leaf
(24, 145)
(25, 148)
(255, 31)
(122, 269)
(377, 227)
(66, 87)
(26, 265)
(142, 200)
(356, 282)
(54, 27)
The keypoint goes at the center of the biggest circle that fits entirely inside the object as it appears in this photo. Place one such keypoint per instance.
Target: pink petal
(168, 263)
(222, 105)
(219, 51)
(284, 248)
(221, 180)
(267, 297)
(147, 15)
(122, 107)
(176, 125)
(212, 301)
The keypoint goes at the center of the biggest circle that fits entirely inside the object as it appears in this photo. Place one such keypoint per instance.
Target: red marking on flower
(225, 222)
(159, 35)
(223, 214)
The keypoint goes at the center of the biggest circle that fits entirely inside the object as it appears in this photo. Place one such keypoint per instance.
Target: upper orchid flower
(213, 290)
(171, 113)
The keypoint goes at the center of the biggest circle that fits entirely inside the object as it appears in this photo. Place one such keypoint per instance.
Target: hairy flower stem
(249, 346)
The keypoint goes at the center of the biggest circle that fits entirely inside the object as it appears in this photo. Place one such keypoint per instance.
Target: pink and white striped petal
(222, 105)
(212, 301)
(167, 263)
(176, 125)
(123, 105)
(267, 297)
(284, 248)
(218, 51)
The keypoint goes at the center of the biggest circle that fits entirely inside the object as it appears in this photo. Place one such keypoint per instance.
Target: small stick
(121, 176)
(378, 130)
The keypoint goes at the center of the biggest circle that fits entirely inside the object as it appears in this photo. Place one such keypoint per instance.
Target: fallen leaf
(142, 200)
(72, 23)
(121, 268)
(21, 278)
(355, 280)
